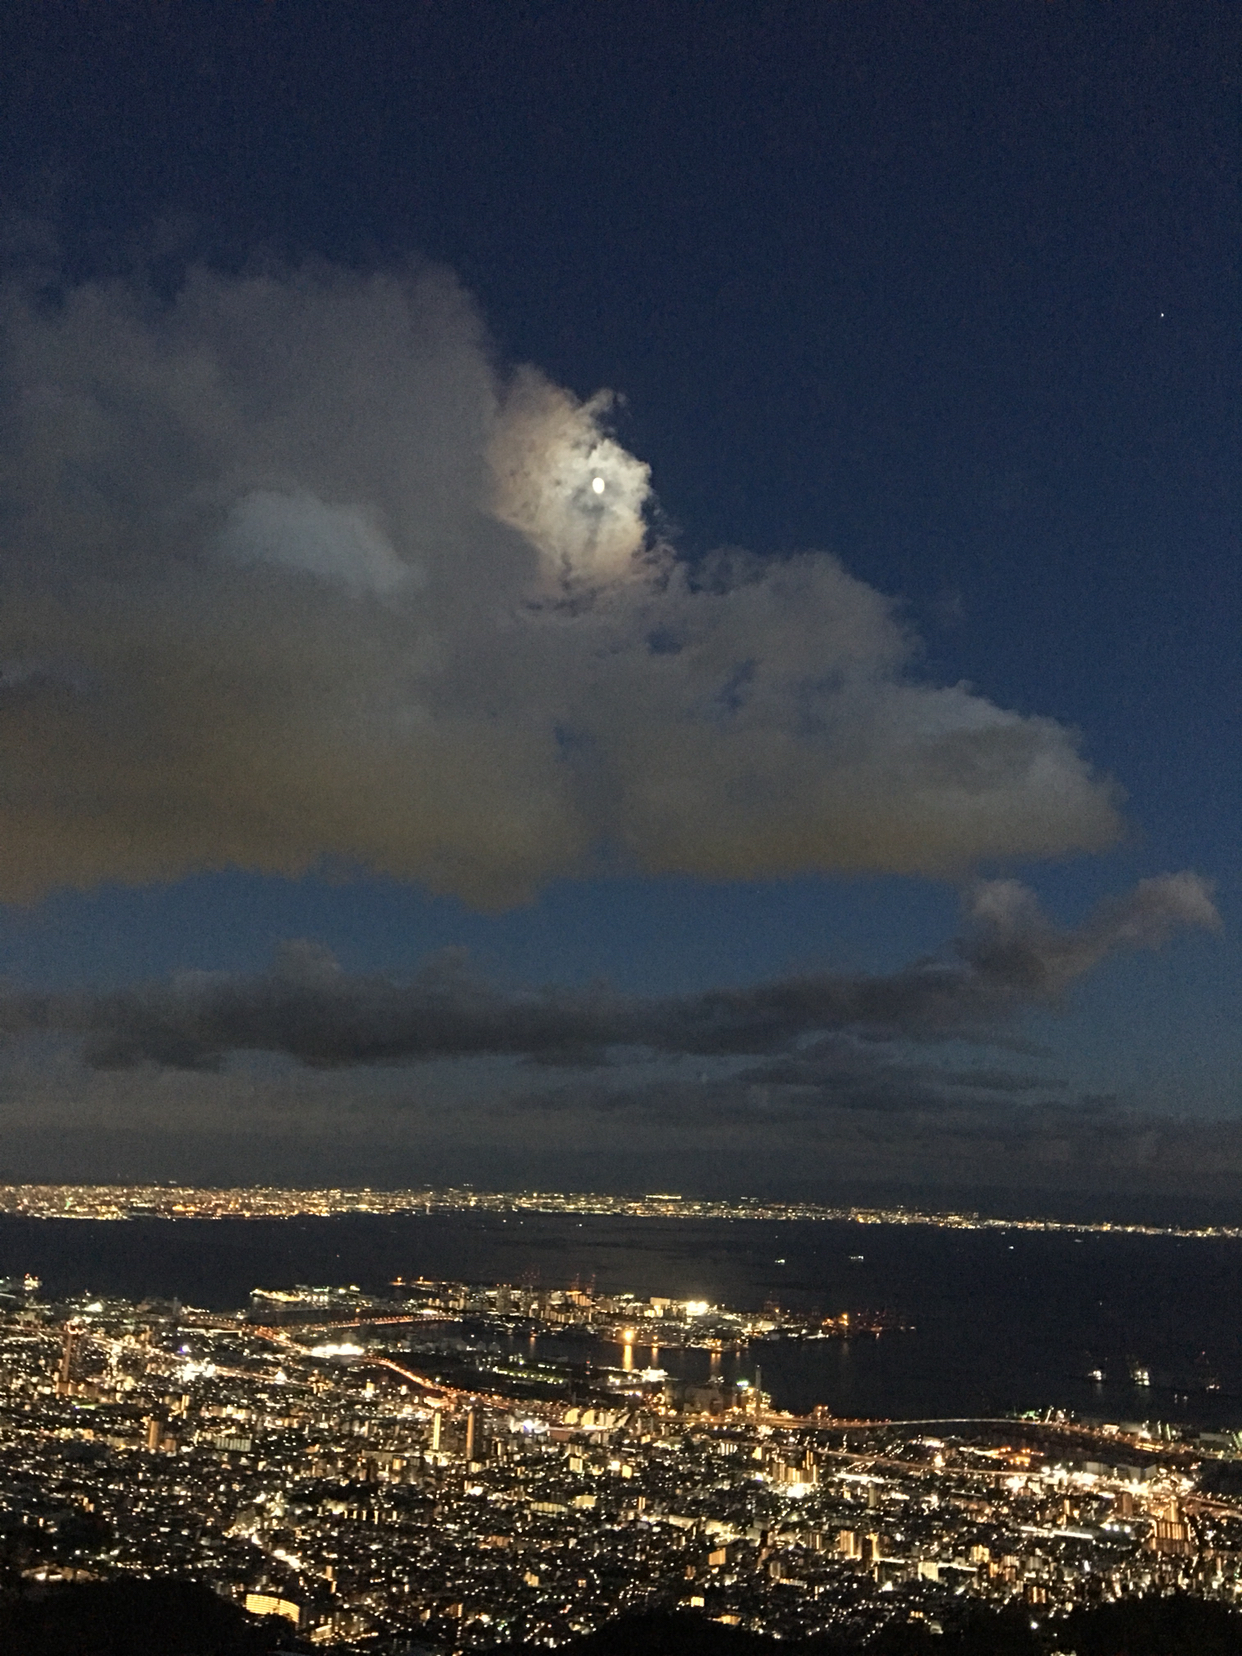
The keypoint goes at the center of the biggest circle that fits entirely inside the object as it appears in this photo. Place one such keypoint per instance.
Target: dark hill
(180, 1618)
(1173, 1626)
(134, 1618)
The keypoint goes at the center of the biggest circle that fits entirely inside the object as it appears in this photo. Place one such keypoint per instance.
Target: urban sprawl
(416, 1466)
(116, 1202)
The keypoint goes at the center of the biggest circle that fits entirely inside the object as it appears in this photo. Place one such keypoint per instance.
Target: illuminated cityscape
(144, 1201)
(371, 1467)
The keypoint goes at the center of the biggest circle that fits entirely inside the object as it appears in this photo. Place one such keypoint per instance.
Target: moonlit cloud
(334, 543)
(572, 491)
(293, 572)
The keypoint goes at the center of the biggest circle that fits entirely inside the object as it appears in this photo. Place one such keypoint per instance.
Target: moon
(597, 485)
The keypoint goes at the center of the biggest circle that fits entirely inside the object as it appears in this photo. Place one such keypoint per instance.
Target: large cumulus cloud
(292, 572)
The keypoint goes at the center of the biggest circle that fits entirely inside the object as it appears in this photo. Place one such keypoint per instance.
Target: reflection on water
(1001, 1320)
(897, 1376)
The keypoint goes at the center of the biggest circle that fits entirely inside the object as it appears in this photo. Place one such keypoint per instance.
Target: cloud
(293, 572)
(1011, 943)
(613, 1132)
(859, 1075)
(570, 489)
(1010, 958)
(895, 1131)
(297, 531)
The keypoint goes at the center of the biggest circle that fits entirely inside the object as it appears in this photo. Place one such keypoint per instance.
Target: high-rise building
(68, 1351)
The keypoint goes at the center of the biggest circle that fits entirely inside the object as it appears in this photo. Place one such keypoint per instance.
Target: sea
(994, 1321)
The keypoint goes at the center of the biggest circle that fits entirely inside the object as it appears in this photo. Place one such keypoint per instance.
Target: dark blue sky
(949, 292)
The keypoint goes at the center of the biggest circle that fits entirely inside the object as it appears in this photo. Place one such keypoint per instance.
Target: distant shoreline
(109, 1202)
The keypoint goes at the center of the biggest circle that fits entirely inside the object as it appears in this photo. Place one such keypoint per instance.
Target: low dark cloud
(864, 1074)
(878, 1124)
(1010, 957)
(879, 1120)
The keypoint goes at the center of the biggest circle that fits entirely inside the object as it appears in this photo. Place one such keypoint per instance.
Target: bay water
(999, 1320)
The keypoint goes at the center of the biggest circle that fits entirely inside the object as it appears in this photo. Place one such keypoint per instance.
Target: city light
(372, 1467)
(121, 1202)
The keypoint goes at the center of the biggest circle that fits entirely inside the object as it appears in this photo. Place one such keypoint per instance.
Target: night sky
(621, 595)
